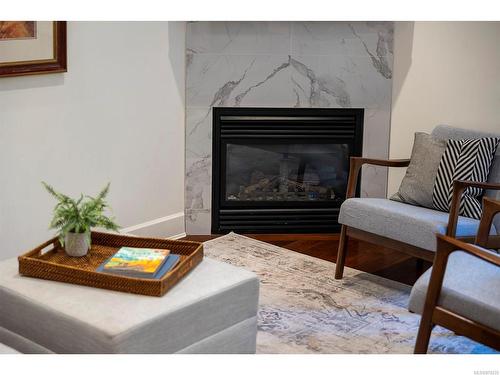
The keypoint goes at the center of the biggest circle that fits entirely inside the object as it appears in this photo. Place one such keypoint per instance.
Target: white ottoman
(4, 349)
(212, 310)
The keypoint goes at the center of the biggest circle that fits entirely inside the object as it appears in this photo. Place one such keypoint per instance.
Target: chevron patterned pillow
(465, 159)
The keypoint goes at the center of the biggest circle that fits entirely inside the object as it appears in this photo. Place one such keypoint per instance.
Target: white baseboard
(177, 236)
(171, 226)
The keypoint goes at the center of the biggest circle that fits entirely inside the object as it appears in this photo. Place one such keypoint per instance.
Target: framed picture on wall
(32, 47)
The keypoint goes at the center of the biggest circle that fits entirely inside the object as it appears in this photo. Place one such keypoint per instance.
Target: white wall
(444, 72)
(117, 115)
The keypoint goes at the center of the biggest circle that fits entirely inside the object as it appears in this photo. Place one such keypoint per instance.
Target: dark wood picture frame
(57, 64)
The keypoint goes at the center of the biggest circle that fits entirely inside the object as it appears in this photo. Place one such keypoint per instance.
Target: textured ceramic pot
(76, 244)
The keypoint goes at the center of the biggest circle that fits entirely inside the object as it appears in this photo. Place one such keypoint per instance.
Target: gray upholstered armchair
(462, 290)
(407, 228)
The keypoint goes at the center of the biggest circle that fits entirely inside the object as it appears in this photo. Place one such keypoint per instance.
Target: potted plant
(75, 218)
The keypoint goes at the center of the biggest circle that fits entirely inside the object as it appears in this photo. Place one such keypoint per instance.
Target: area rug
(303, 309)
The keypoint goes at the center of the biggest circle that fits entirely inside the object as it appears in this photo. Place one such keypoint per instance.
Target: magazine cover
(130, 259)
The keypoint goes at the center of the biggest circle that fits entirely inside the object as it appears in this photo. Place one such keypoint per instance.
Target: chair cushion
(400, 221)
(471, 288)
(67, 318)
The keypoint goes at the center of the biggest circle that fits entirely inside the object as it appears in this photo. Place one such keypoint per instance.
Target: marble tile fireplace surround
(283, 65)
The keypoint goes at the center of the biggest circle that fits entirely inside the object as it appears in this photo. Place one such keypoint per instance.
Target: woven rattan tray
(49, 261)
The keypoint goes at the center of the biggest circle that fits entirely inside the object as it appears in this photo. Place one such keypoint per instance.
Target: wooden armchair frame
(433, 313)
(347, 232)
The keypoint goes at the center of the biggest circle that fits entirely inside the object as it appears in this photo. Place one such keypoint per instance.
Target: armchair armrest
(357, 162)
(446, 245)
(459, 187)
(491, 207)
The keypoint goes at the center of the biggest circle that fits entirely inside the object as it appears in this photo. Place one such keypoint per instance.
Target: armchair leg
(339, 268)
(433, 291)
(424, 334)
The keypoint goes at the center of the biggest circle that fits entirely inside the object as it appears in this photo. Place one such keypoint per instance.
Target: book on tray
(140, 262)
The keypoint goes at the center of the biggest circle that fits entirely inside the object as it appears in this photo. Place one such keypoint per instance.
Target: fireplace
(281, 169)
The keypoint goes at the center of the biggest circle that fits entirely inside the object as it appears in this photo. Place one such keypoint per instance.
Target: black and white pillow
(465, 159)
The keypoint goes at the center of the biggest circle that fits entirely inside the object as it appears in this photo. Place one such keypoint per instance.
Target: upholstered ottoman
(212, 310)
(4, 349)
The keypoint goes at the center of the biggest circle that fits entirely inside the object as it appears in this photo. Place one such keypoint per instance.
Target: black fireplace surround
(282, 170)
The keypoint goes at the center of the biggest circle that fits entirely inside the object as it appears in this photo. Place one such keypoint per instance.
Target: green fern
(79, 216)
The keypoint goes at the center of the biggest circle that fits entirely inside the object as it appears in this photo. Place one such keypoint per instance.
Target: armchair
(403, 227)
(470, 305)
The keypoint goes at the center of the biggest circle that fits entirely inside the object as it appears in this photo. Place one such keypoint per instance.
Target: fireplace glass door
(286, 172)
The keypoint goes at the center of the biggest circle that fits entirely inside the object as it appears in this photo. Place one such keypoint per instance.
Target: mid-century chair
(403, 227)
(462, 290)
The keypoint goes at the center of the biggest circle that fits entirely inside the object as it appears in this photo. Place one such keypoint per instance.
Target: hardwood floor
(361, 255)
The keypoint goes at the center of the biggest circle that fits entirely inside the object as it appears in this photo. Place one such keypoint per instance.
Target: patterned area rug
(303, 309)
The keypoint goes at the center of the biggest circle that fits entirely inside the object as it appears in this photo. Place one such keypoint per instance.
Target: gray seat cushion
(449, 132)
(68, 318)
(4, 349)
(400, 221)
(471, 289)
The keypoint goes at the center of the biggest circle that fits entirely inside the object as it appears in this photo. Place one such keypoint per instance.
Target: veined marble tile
(198, 183)
(198, 132)
(316, 88)
(238, 80)
(373, 182)
(284, 81)
(369, 39)
(375, 145)
(340, 81)
(376, 133)
(250, 38)
(270, 87)
(198, 221)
